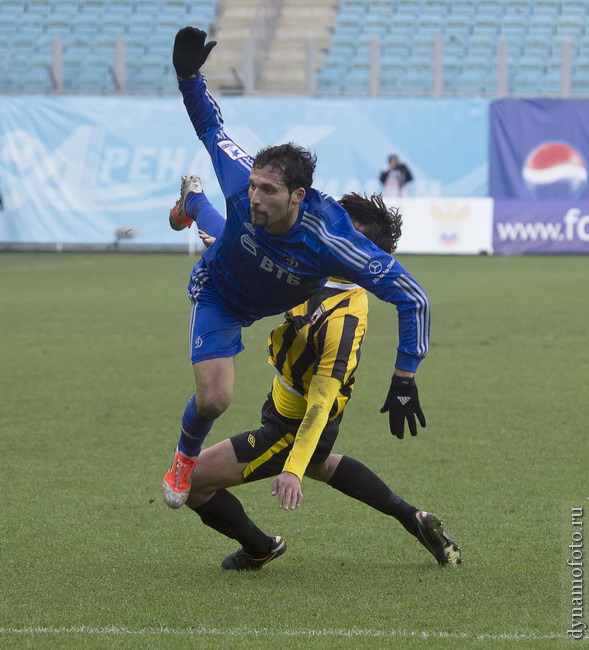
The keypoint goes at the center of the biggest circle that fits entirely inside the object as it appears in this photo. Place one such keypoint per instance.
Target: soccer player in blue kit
(281, 241)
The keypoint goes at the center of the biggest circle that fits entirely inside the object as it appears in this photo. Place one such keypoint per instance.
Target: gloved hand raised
(402, 403)
(190, 51)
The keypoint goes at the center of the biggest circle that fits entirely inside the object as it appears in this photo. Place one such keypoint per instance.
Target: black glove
(403, 402)
(190, 51)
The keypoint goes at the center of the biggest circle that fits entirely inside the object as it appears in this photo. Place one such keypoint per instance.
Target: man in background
(395, 178)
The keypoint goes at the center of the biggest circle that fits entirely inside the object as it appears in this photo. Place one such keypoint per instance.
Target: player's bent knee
(324, 471)
(213, 407)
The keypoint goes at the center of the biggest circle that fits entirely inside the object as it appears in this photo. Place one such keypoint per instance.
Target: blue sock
(206, 216)
(194, 429)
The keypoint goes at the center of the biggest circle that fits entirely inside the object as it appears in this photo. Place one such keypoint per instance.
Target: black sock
(225, 514)
(357, 481)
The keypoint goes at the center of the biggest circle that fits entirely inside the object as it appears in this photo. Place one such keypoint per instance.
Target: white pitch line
(214, 631)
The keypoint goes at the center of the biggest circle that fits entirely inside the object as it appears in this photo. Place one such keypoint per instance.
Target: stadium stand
(340, 32)
(469, 31)
(88, 31)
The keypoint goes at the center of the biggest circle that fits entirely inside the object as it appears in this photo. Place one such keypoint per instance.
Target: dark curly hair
(295, 163)
(382, 225)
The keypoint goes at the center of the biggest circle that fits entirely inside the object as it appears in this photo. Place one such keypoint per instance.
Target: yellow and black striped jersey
(322, 337)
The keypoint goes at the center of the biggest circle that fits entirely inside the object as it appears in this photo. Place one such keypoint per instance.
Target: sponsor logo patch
(375, 267)
(231, 149)
(292, 262)
(317, 314)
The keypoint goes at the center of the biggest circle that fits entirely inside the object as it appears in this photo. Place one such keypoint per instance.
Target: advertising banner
(78, 170)
(541, 227)
(538, 175)
(446, 226)
(539, 149)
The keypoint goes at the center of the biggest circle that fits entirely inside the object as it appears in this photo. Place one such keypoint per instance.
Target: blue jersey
(258, 274)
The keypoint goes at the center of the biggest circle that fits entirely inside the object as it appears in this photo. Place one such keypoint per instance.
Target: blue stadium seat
(485, 25)
(470, 84)
(58, 24)
(104, 46)
(404, 24)
(77, 50)
(349, 16)
(441, 7)
(12, 8)
(382, 7)
(181, 6)
(357, 81)
(580, 78)
(570, 25)
(459, 26)
(42, 7)
(518, 7)
(374, 25)
(140, 25)
(527, 77)
(541, 24)
(147, 7)
(37, 77)
(418, 78)
(490, 7)
(160, 44)
(546, 7)
(423, 47)
(391, 74)
(114, 25)
(454, 49)
(537, 46)
(464, 6)
(169, 25)
(451, 70)
(329, 80)
(394, 45)
(409, 6)
(135, 47)
(431, 24)
(576, 7)
(119, 6)
(8, 25)
(93, 7)
(347, 5)
(347, 26)
(66, 7)
(84, 24)
(513, 27)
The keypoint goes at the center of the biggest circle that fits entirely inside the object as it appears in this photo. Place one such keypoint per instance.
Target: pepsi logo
(555, 170)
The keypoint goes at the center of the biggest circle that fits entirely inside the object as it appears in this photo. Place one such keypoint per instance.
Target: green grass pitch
(94, 379)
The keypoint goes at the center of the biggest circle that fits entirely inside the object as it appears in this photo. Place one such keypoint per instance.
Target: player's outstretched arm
(232, 164)
(190, 51)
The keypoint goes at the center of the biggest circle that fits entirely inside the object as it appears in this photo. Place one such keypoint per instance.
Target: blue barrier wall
(74, 169)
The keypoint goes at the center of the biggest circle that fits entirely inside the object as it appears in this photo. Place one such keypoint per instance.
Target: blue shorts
(215, 332)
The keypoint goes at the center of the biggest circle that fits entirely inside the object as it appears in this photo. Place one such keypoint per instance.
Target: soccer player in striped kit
(281, 241)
